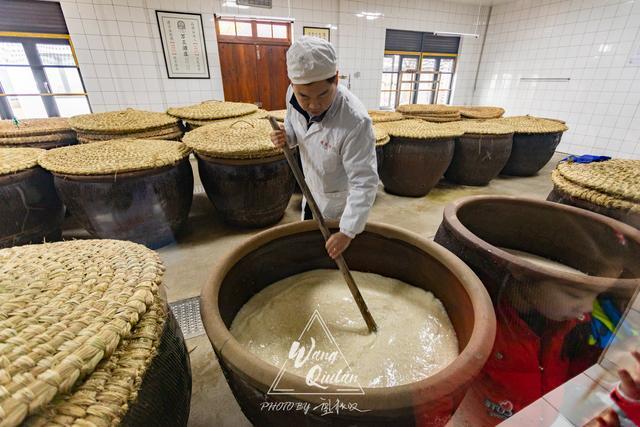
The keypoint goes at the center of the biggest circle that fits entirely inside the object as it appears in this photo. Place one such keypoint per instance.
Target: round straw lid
(33, 127)
(64, 307)
(14, 160)
(382, 136)
(242, 139)
(115, 156)
(431, 109)
(279, 115)
(258, 114)
(122, 122)
(166, 132)
(212, 110)
(419, 129)
(480, 127)
(480, 112)
(380, 116)
(532, 125)
(617, 178)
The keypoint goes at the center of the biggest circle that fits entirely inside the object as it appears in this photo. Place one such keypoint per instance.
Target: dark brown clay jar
(607, 250)
(148, 207)
(31, 211)
(247, 193)
(477, 159)
(623, 215)
(530, 152)
(290, 249)
(412, 167)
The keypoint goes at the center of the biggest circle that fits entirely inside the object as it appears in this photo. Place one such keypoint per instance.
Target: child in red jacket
(541, 342)
(626, 395)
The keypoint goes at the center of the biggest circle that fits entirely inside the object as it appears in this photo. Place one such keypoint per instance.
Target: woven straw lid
(64, 307)
(279, 115)
(258, 114)
(382, 136)
(532, 125)
(479, 112)
(381, 116)
(33, 127)
(167, 132)
(14, 160)
(122, 122)
(38, 139)
(115, 156)
(419, 129)
(212, 110)
(593, 196)
(488, 127)
(434, 119)
(617, 178)
(430, 109)
(242, 139)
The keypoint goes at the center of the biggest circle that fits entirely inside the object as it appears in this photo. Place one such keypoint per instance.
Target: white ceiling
(482, 2)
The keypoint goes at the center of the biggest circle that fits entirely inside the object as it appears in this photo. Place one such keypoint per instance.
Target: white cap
(311, 59)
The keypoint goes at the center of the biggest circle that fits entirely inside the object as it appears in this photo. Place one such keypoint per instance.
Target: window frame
(253, 39)
(29, 42)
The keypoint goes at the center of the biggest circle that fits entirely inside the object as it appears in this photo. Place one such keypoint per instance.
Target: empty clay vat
(475, 228)
(31, 211)
(148, 207)
(294, 248)
(412, 167)
(247, 192)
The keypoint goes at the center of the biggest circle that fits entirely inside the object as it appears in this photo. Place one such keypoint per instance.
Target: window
(39, 77)
(239, 30)
(416, 78)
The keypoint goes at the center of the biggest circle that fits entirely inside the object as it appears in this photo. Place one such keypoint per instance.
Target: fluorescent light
(369, 15)
(448, 34)
(232, 3)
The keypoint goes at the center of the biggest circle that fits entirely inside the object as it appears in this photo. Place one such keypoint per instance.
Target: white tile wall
(111, 33)
(588, 41)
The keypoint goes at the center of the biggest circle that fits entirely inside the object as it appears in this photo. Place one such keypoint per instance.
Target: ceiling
(482, 2)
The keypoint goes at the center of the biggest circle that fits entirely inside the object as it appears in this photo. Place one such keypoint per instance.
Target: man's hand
(630, 381)
(279, 137)
(606, 418)
(337, 244)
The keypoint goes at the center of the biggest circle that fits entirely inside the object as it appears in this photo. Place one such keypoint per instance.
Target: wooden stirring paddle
(342, 265)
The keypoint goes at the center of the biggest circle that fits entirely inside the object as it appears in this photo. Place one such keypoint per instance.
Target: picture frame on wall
(183, 45)
(321, 32)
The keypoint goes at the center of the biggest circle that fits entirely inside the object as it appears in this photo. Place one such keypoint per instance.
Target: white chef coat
(338, 159)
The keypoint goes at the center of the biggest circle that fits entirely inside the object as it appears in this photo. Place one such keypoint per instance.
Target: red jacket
(522, 368)
(631, 408)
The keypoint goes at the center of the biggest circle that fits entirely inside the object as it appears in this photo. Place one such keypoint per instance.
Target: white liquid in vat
(415, 337)
(543, 262)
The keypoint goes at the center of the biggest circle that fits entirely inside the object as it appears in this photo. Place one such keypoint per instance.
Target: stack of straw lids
(380, 116)
(480, 112)
(382, 136)
(36, 131)
(242, 139)
(129, 123)
(612, 183)
(80, 322)
(212, 110)
(534, 125)
(13, 160)
(419, 129)
(279, 115)
(258, 114)
(113, 157)
(430, 112)
(485, 127)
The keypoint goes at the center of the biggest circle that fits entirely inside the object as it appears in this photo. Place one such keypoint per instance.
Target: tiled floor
(207, 239)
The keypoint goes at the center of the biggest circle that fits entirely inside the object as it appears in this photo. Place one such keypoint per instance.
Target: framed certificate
(320, 32)
(182, 36)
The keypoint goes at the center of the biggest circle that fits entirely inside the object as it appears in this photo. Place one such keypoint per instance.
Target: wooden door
(238, 63)
(272, 76)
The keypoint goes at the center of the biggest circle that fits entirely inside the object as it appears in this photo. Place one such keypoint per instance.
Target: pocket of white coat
(334, 204)
(330, 161)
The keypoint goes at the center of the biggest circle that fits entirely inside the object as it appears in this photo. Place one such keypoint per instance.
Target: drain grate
(187, 312)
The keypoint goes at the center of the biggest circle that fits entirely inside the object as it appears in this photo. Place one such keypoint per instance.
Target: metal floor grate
(187, 312)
